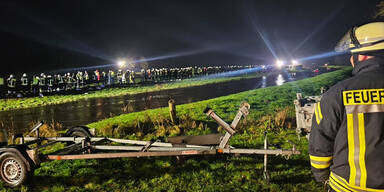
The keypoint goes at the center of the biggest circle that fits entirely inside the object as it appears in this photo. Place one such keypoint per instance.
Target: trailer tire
(80, 131)
(13, 169)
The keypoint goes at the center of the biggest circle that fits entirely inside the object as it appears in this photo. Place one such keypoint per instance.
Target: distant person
(24, 84)
(69, 80)
(119, 76)
(86, 81)
(346, 143)
(42, 83)
(60, 82)
(35, 84)
(50, 84)
(2, 87)
(79, 80)
(97, 76)
(132, 77)
(11, 83)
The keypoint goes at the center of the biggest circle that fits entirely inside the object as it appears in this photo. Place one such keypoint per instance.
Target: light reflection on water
(264, 82)
(280, 80)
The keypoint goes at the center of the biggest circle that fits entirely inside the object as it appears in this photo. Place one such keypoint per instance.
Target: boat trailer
(17, 161)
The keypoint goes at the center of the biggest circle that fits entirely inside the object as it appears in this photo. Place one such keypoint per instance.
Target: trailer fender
(79, 131)
(22, 153)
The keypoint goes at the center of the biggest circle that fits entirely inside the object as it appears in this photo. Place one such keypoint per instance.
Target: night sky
(37, 36)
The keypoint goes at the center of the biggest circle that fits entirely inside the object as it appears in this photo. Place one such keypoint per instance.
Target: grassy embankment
(22, 103)
(271, 110)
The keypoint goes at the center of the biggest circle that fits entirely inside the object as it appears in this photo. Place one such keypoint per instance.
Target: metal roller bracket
(230, 129)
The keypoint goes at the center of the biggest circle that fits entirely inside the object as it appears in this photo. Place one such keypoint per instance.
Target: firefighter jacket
(346, 143)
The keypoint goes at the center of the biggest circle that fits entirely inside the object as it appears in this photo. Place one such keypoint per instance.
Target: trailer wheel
(80, 131)
(13, 169)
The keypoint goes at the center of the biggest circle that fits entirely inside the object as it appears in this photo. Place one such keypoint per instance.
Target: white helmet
(362, 39)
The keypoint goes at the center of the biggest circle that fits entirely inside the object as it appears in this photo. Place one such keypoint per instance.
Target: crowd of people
(44, 84)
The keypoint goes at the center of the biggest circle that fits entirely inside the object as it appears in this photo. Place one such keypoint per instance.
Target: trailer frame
(24, 157)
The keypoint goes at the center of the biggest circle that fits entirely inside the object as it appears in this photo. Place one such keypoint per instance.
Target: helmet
(24, 75)
(365, 38)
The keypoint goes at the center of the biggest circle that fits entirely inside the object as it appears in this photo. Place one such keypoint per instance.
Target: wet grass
(23, 103)
(263, 101)
(271, 110)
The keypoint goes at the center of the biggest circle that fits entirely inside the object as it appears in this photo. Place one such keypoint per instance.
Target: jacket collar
(374, 64)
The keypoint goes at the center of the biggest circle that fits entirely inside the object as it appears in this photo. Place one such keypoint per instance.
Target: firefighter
(111, 77)
(86, 81)
(124, 76)
(24, 84)
(79, 80)
(104, 77)
(11, 83)
(346, 143)
(144, 74)
(42, 83)
(132, 77)
(1, 87)
(35, 84)
(60, 82)
(69, 80)
(119, 76)
(50, 83)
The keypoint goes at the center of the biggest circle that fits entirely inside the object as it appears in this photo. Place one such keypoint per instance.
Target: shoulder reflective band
(318, 114)
(320, 162)
(363, 97)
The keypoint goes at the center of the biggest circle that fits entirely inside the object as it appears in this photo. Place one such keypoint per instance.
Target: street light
(294, 62)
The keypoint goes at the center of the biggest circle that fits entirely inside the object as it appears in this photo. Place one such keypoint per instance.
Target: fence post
(172, 110)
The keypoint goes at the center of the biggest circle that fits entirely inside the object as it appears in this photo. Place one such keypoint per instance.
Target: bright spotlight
(294, 62)
(121, 63)
(279, 63)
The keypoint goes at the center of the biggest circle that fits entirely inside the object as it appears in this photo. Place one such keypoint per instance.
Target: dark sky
(47, 35)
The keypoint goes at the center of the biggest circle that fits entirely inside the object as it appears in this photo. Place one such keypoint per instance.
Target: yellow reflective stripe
(317, 114)
(319, 110)
(335, 186)
(320, 162)
(339, 180)
(363, 179)
(317, 158)
(351, 149)
(320, 166)
(336, 182)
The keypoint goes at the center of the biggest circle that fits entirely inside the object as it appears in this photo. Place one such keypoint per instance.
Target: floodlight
(279, 63)
(121, 63)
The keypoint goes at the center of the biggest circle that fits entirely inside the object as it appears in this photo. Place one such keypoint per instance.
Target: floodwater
(91, 110)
